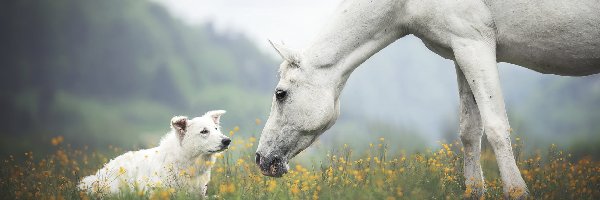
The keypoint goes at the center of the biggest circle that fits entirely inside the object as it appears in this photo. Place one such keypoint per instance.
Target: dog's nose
(226, 141)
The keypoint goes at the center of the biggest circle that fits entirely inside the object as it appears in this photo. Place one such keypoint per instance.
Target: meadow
(343, 172)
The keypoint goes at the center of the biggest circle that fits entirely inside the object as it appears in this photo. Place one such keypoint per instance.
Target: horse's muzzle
(274, 166)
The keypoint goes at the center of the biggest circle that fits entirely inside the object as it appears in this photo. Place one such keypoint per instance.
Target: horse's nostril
(226, 141)
(257, 159)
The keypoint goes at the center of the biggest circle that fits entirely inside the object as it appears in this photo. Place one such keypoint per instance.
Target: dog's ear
(215, 115)
(179, 124)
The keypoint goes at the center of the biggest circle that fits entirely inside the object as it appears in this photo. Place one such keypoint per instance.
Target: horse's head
(304, 106)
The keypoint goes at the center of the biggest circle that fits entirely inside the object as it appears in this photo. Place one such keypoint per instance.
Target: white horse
(549, 36)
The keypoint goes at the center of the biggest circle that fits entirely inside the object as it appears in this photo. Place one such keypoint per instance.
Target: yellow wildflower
(57, 140)
(122, 170)
(295, 189)
(227, 188)
(271, 185)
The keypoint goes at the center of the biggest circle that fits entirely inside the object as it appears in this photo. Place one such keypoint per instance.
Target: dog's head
(201, 135)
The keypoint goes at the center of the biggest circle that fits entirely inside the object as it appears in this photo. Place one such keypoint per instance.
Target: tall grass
(341, 173)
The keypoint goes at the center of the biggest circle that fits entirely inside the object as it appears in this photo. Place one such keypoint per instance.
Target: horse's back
(549, 36)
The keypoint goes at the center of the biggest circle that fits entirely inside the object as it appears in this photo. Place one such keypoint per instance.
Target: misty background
(114, 72)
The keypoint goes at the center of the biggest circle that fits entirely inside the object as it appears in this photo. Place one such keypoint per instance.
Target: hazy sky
(294, 22)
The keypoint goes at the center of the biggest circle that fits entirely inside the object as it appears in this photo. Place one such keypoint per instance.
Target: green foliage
(95, 70)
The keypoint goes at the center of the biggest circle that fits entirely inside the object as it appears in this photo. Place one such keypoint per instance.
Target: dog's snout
(226, 141)
(257, 159)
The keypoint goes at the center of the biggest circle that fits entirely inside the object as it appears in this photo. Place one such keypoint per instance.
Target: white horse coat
(549, 36)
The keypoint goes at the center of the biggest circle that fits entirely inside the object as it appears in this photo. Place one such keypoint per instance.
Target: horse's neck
(358, 30)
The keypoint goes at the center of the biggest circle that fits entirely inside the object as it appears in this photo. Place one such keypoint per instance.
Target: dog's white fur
(182, 161)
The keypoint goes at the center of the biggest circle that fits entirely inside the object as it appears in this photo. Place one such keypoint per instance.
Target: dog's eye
(204, 131)
(216, 129)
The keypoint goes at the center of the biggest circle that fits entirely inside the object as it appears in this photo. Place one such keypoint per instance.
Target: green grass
(341, 173)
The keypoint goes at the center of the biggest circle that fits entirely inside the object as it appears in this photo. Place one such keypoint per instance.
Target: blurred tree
(70, 67)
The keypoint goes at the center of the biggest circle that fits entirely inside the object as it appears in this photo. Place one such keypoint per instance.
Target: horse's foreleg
(477, 60)
(471, 130)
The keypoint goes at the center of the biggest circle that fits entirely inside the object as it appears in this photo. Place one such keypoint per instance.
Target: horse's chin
(276, 169)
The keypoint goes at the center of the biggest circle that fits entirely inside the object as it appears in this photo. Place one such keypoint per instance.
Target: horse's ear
(285, 53)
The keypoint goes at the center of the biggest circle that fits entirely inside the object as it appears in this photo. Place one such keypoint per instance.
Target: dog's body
(182, 161)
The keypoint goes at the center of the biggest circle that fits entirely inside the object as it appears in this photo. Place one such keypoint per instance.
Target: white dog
(182, 161)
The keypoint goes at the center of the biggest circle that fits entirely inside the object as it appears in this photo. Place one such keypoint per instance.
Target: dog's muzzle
(224, 145)
(225, 142)
(274, 166)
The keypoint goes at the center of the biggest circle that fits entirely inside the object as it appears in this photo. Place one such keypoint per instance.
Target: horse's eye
(204, 131)
(280, 94)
